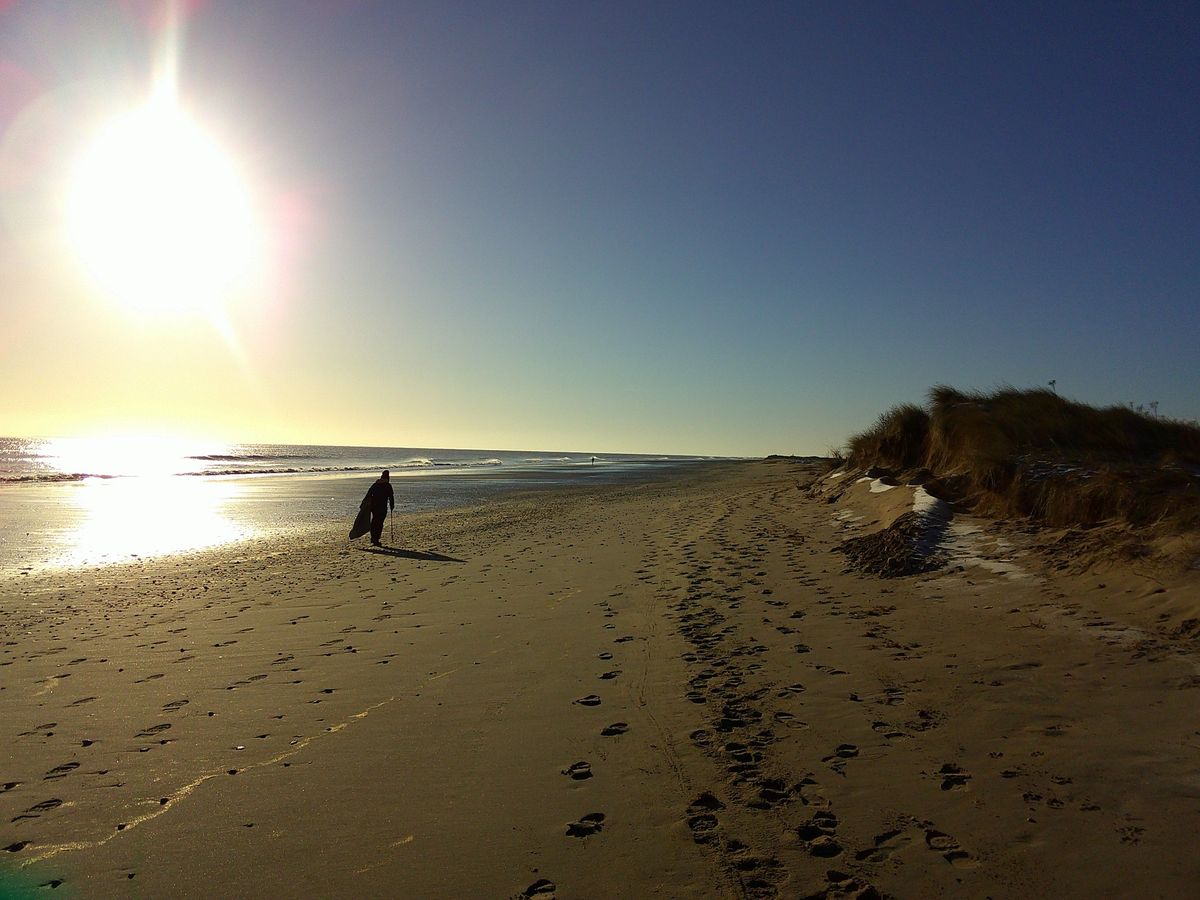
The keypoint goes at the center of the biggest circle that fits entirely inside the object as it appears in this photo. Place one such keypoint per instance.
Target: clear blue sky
(687, 227)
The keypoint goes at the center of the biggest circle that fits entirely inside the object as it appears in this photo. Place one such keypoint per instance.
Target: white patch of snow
(835, 475)
(925, 504)
(878, 487)
(961, 545)
(848, 519)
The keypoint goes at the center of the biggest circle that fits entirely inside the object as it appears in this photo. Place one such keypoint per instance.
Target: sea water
(76, 502)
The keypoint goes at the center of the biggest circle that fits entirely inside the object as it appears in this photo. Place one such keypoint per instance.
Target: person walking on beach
(378, 499)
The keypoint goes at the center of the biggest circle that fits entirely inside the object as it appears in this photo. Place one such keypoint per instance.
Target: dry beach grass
(665, 690)
(1034, 453)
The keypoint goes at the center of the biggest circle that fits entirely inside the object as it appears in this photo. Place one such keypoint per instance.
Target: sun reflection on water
(149, 516)
(121, 455)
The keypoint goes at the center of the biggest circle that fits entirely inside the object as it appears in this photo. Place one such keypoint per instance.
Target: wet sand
(671, 689)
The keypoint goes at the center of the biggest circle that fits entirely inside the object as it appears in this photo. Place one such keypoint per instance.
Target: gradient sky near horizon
(713, 228)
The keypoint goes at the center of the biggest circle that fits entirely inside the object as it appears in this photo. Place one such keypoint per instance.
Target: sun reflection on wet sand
(149, 516)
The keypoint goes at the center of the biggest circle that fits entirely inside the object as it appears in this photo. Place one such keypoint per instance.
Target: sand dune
(671, 690)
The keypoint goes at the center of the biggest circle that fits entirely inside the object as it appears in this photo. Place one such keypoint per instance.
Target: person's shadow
(427, 556)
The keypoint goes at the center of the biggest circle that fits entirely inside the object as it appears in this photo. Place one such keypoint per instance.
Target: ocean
(82, 502)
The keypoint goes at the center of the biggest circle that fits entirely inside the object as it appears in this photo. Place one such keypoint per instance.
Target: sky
(709, 228)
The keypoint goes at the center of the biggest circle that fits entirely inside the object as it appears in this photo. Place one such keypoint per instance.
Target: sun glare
(127, 455)
(150, 516)
(159, 215)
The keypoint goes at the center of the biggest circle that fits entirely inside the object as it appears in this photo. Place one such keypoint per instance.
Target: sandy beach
(672, 689)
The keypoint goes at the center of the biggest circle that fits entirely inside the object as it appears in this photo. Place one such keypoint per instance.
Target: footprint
(38, 808)
(947, 846)
(822, 824)
(150, 678)
(789, 720)
(60, 771)
(578, 771)
(828, 670)
(843, 884)
(927, 720)
(83, 700)
(540, 888)
(842, 751)
(761, 877)
(824, 847)
(703, 826)
(174, 705)
(154, 729)
(608, 676)
(707, 802)
(953, 777)
(589, 700)
(772, 792)
(592, 823)
(614, 729)
(604, 655)
(885, 845)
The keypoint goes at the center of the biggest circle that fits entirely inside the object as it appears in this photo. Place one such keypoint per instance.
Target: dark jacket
(379, 497)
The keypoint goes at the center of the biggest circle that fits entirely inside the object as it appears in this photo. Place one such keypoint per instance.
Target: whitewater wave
(290, 470)
(58, 477)
(50, 477)
(237, 457)
(426, 463)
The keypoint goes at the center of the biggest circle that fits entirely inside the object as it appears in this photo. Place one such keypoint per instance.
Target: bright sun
(160, 216)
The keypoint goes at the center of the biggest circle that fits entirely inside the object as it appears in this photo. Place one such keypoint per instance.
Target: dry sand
(668, 690)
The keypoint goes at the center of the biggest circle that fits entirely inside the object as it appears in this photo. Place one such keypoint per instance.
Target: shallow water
(97, 521)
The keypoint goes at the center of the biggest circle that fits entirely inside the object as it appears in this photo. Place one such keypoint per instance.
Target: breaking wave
(50, 477)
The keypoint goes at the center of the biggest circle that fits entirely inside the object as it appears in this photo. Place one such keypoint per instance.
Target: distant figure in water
(379, 498)
(593, 460)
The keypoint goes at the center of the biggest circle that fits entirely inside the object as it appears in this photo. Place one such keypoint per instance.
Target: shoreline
(63, 526)
(668, 689)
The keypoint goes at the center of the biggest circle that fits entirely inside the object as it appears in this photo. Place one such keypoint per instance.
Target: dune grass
(1033, 453)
